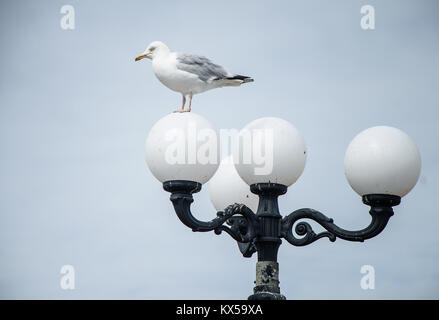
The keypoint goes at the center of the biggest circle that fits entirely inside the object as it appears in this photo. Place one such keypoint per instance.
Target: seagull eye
(152, 49)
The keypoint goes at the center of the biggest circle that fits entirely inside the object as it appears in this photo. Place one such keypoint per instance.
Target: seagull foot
(181, 111)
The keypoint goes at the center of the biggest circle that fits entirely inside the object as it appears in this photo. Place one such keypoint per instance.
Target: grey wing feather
(205, 69)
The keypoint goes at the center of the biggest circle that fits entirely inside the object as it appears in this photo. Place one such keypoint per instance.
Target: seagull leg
(190, 102)
(182, 105)
(189, 107)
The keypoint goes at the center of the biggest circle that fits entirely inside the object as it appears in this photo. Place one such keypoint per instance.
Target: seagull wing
(205, 69)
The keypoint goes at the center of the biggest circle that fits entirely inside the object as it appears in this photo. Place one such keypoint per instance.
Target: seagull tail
(244, 79)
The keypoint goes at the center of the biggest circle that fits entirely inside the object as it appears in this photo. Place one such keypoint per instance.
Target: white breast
(165, 69)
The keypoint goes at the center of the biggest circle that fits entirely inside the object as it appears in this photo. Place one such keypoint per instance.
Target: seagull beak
(141, 56)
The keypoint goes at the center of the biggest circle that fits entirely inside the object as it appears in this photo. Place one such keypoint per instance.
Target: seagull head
(153, 50)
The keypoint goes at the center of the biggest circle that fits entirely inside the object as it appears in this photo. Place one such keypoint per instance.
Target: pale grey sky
(75, 110)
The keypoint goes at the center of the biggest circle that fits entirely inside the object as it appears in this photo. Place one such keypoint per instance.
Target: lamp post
(382, 164)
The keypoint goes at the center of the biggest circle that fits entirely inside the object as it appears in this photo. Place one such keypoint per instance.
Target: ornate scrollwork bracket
(381, 211)
(237, 220)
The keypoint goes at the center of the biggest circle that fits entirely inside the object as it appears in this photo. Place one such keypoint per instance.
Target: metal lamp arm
(241, 227)
(381, 211)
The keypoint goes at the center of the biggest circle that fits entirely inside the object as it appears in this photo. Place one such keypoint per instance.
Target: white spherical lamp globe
(382, 160)
(182, 146)
(226, 187)
(270, 150)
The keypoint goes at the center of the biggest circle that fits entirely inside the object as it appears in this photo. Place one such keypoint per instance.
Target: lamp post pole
(267, 241)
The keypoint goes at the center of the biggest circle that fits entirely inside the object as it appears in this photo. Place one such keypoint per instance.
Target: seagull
(187, 73)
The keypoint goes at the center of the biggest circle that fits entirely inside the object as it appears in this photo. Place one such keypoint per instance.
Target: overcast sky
(75, 110)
